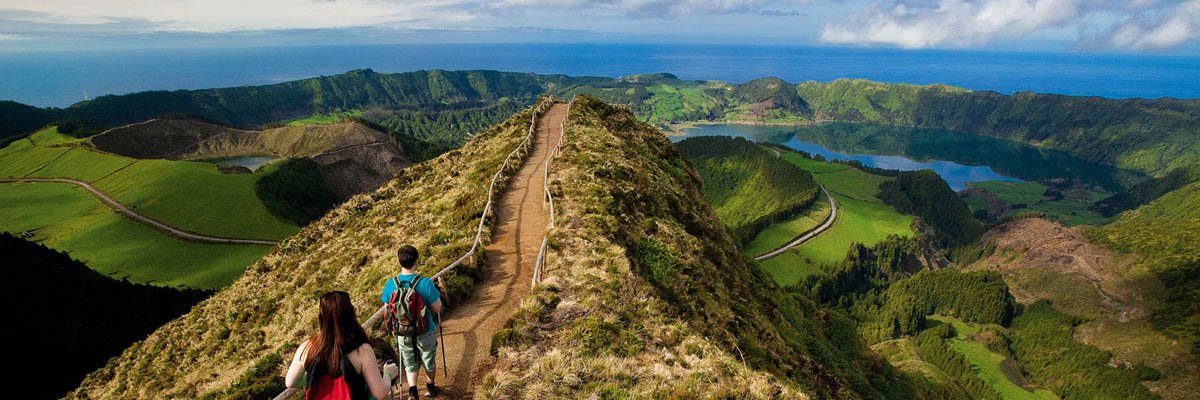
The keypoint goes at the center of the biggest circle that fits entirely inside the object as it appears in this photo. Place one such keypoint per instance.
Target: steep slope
(79, 312)
(352, 157)
(1163, 232)
(233, 344)
(1113, 295)
(254, 105)
(1147, 135)
(748, 186)
(17, 118)
(646, 295)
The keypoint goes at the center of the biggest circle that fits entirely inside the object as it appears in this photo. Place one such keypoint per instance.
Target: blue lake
(958, 158)
(252, 162)
(63, 78)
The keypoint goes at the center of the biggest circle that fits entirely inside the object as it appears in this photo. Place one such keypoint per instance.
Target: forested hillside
(1163, 232)
(1146, 135)
(59, 303)
(233, 345)
(644, 277)
(749, 186)
(924, 194)
(1152, 136)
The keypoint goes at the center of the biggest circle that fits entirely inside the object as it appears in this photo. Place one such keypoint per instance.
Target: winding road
(126, 211)
(829, 221)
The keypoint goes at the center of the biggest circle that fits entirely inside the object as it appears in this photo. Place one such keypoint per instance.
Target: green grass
(786, 230)
(324, 119)
(83, 164)
(852, 183)
(193, 196)
(678, 103)
(862, 218)
(987, 363)
(810, 165)
(1071, 210)
(65, 217)
(198, 197)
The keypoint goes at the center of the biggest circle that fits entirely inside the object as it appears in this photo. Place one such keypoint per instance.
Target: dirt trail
(126, 211)
(521, 223)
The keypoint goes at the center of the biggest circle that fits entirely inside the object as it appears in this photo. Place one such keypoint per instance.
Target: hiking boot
(412, 393)
(432, 390)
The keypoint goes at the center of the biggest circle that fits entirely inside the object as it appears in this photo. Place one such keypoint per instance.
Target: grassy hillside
(924, 194)
(1163, 233)
(194, 196)
(1072, 205)
(1152, 136)
(17, 119)
(67, 218)
(67, 307)
(862, 218)
(642, 276)
(233, 344)
(879, 288)
(1146, 135)
(748, 186)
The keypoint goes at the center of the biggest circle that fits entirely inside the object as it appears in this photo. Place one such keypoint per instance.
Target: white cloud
(953, 23)
(1176, 26)
(236, 15)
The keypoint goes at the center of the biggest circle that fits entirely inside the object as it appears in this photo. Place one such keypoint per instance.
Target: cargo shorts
(425, 349)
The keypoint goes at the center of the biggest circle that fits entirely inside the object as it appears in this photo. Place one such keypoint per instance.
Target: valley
(958, 244)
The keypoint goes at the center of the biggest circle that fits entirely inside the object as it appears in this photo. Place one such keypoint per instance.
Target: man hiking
(412, 300)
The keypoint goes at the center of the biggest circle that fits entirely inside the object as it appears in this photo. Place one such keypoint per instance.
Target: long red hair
(340, 334)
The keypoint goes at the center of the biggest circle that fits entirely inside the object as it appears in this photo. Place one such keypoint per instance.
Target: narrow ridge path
(134, 215)
(521, 220)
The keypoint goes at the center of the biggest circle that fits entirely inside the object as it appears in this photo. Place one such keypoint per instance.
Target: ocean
(63, 78)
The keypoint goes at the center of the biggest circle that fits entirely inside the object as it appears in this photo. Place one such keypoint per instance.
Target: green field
(192, 196)
(988, 364)
(862, 218)
(324, 119)
(786, 230)
(66, 217)
(810, 165)
(1072, 209)
(678, 103)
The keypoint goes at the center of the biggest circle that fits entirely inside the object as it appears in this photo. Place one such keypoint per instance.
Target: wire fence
(511, 162)
(541, 257)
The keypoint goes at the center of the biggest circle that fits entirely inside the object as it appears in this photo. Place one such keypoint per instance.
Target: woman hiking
(338, 363)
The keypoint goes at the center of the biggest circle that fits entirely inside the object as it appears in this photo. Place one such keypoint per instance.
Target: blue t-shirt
(428, 291)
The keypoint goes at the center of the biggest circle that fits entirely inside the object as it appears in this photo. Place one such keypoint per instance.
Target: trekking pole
(442, 337)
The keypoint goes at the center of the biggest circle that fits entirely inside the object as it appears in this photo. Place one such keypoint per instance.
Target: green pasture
(988, 364)
(324, 119)
(67, 218)
(1072, 209)
(862, 218)
(192, 196)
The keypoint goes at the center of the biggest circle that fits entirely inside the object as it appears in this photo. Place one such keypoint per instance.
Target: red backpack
(406, 311)
(349, 385)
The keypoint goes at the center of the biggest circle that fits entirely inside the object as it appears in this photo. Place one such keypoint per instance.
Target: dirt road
(120, 208)
(521, 220)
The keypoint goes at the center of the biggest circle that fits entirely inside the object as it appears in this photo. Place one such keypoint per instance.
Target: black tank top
(354, 379)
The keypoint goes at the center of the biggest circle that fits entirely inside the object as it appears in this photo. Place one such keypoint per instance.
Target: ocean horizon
(60, 79)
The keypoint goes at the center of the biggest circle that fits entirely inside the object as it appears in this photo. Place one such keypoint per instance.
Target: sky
(1101, 26)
